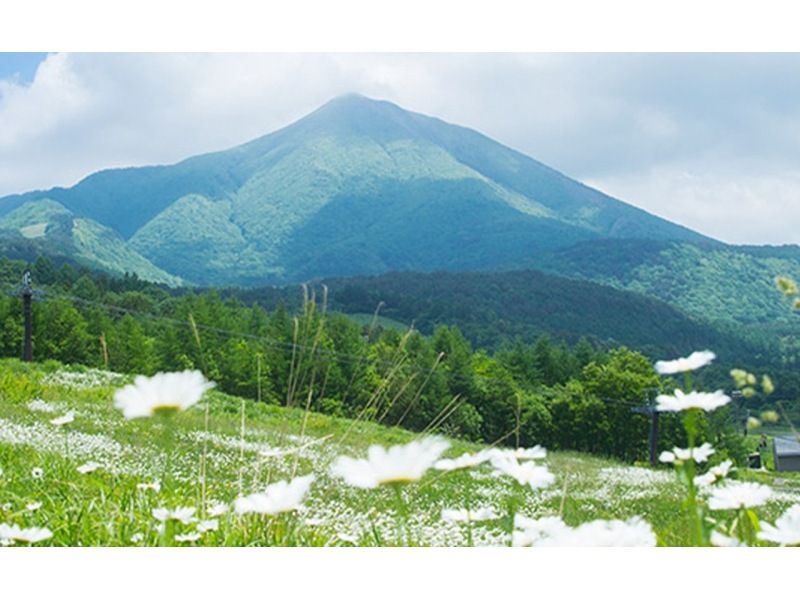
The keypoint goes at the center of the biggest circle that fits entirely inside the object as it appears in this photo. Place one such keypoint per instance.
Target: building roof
(786, 446)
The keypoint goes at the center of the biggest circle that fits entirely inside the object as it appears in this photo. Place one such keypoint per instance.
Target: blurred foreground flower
(699, 454)
(722, 541)
(695, 361)
(191, 537)
(162, 393)
(552, 531)
(739, 495)
(217, 509)
(183, 514)
(713, 475)
(30, 535)
(463, 461)
(786, 530)
(208, 525)
(680, 401)
(401, 463)
(280, 497)
(535, 476)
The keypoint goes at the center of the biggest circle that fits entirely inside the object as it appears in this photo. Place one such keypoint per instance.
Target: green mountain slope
(46, 227)
(358, 186)
(712, 282)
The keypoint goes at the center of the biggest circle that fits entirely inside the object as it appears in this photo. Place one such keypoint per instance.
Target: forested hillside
(577, 396)
(710, 281)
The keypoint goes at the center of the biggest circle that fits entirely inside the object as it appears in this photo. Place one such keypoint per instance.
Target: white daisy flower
(217, 509)
(280, 497)
(349, 538)
(695, 361)
(88, 467)
(535, 476)
(700, 454)
(31, 535)
(464, 515)
(183, 514)
(37, 473)
(714, 475)
(155, 486)
(527, 531)
(65, 419)
(33, 506)
(552, 531)
(192, 537)
(680, 401)
(722, 541)
(401, 463)
(786, 530)
(736, 495)
(137, 537)
(207, 525)
(463, 461)
(162, 393)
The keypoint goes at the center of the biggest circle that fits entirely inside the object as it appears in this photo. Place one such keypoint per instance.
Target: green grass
(105, 507)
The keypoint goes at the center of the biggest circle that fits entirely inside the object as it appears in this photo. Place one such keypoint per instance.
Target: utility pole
(27, 316)
(651, 411)
(653, 436)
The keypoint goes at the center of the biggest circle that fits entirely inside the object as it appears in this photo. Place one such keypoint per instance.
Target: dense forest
(496, 309)
(568, 396)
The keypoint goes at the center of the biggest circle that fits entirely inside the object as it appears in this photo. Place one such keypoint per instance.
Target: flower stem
(695, 511)
(512, 506)
(402, 512)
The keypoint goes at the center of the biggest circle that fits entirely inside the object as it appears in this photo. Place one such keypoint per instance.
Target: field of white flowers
(91, 458)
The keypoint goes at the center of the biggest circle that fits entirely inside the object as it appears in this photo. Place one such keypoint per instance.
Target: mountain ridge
(355, 175)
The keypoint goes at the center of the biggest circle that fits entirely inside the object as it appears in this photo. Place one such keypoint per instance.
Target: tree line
(576, 397)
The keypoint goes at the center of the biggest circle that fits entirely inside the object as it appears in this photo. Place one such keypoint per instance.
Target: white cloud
(634, 124)
(739, 208)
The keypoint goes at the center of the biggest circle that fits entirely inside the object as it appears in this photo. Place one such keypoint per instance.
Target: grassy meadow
(225, 447)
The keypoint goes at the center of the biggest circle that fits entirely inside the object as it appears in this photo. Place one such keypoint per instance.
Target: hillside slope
(46, 227)
(711, 282)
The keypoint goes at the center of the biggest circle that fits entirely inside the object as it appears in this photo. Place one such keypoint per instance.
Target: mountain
(357, 187)
(46, 227)
(363, 187)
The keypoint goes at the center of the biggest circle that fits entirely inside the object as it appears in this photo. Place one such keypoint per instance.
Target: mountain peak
(355, 100)
(353, 113)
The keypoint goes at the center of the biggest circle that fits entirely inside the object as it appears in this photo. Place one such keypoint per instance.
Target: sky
(711, 141)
